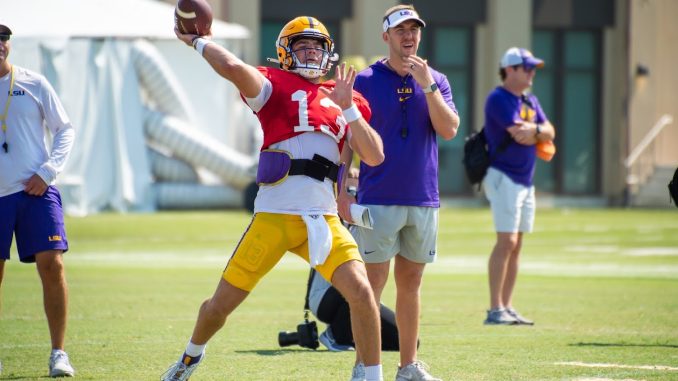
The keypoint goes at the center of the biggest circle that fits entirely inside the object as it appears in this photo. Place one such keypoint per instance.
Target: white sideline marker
(601, 365)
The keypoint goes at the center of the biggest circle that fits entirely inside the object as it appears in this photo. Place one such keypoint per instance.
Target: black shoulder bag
(477, 157)
(673, 188)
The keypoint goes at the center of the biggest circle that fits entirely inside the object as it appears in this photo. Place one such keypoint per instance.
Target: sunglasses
(528, 68)
(4, 37)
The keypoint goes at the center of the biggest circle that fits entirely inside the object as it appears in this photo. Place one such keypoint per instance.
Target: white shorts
(513, 205)
(410, 231)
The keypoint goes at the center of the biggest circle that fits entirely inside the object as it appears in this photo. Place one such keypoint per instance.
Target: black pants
(334, 311)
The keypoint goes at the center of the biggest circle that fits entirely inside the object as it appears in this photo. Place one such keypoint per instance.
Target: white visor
(401, 15)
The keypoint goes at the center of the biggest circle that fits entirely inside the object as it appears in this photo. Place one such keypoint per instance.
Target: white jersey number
(304, 126)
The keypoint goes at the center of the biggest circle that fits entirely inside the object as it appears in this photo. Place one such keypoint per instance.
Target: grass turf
(602, 286)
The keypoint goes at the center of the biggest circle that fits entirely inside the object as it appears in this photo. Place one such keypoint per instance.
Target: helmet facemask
(305, 27)
(311, 68)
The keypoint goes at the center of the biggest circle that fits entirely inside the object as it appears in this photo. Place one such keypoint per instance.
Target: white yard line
(637, 252)
(652, 252)
(458, 264)
(621, 366)
(478, 265)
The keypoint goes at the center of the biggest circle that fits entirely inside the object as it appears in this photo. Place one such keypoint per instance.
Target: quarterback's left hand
(342, 93)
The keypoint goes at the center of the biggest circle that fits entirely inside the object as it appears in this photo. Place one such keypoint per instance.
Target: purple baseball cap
(519, 56)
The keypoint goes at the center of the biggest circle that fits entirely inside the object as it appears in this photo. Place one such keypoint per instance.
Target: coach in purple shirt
(512, 115)
(411, 105)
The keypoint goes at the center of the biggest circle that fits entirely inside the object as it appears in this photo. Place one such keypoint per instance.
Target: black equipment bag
(476, 156)
(673, 188)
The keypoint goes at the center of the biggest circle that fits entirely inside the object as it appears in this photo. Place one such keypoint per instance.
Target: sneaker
(327, 339)
(499, 317)
(520, 318)
(59, 366)
(358, 373)
(182, 369)
(417, 371)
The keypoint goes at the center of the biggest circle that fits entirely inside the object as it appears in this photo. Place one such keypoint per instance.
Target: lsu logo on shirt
(404, 93)
(528, 112)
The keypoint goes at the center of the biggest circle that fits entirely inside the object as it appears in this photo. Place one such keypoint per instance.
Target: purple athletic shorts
(37, 224)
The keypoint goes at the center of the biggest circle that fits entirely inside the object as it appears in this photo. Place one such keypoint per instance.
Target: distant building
(609, 77)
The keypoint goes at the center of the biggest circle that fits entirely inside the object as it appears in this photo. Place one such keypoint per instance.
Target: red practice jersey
(297, 106)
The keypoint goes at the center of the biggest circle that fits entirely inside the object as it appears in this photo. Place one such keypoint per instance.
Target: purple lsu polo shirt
(409, 174)
(502, 110)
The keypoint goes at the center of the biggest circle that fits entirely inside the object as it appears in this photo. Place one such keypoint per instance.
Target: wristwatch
(538, 130)
(431, 88)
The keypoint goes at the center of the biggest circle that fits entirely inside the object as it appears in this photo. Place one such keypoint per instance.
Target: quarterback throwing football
(305, 122)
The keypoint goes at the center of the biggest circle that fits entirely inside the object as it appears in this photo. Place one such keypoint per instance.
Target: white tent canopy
(103, 58)
(99, 18)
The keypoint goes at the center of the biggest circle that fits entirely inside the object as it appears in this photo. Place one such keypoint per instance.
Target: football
(193, 17)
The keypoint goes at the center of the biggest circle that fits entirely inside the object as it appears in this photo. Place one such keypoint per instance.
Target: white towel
(319, 238)
(361, 216)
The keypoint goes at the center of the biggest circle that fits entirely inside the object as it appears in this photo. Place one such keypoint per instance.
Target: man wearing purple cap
(513, 116)
(411, 106)
(30, 206)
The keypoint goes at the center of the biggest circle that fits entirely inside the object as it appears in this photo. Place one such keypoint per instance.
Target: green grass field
(602, 286)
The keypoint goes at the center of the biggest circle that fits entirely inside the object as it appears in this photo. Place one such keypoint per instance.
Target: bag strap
(318, 168)
(504, 143)
(502, 146)
(307, 306)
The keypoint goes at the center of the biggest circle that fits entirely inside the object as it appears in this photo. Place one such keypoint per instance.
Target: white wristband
(352, 113)
(200, 43)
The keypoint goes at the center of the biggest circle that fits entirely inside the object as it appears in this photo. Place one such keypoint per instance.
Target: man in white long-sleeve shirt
(30, 206)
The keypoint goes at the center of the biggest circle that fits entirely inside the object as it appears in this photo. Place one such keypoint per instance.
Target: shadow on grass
(279, 352)
(656, 345)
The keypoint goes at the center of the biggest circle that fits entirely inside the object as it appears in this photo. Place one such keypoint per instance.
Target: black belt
(318, 168)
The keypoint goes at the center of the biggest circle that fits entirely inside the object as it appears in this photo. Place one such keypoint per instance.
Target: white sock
(373, 373)
(194, 350)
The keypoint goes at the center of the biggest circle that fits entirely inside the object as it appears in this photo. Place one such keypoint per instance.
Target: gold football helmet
(305, 27)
